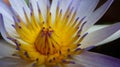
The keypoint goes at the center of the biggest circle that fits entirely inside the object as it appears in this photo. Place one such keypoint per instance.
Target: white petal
(35, 8)
(6, 49)
(98, 36)
(111, 38)
(90, 59)
(64, 4)
(7, 20)
(86, 7)
(14, 62)
(43, 5)
(96, 27)
(11, 62)
(53, 9)
(6, 27)
(5, 7)
(96, 15)
(19, 6)
(8, 62)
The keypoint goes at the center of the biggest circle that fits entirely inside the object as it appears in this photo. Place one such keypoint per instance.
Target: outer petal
(96, 27)
(13, 62)
(111, 38)
(6, 16)
(5, 7)
(8, 62)
(6, 28)
(86, 7)
(98, 36)
(6, 49)
(90, 59)
(96, 15)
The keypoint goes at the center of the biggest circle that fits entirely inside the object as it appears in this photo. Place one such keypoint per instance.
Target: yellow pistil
(49, 43)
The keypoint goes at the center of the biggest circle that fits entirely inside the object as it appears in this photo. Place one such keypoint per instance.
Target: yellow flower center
(46, 42)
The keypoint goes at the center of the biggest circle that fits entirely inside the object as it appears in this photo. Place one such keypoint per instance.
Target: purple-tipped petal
(96, 15)
(90, 59)
(6, 30)
(86, 7)
(54, 5)
(98, 36)
(18, 6)
(6, 49)
(34, 7)
(43, 5)
(82, 7)
(64, 4)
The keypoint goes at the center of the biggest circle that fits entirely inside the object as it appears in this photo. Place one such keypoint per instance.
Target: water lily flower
(56, 34)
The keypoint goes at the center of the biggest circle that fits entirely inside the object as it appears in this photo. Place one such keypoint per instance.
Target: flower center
(46, 42)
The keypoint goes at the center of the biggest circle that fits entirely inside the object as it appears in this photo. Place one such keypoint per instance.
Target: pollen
(47, 42)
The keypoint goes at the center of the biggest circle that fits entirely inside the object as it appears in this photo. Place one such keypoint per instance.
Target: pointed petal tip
(96, 37)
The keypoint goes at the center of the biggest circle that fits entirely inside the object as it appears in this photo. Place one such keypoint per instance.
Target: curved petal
(96, 27)
(61, 6)
(90, 59)
(6, 7)
(98, 36)
(8, 62)
(34, 5)
(86, 7)
(6, 49)
(96, 15)
(82, 7)
(19, 6)
(111, 38)
(14, 62)
(64, 4)
(6, 28)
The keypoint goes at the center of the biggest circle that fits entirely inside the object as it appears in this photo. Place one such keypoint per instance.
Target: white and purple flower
(57, 34)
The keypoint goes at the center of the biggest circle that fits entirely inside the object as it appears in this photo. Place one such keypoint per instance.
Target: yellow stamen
(49, 43)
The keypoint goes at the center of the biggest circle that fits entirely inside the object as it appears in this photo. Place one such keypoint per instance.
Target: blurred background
(111, 16)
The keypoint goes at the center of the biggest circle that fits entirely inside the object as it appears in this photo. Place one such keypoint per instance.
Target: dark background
(111, 16)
